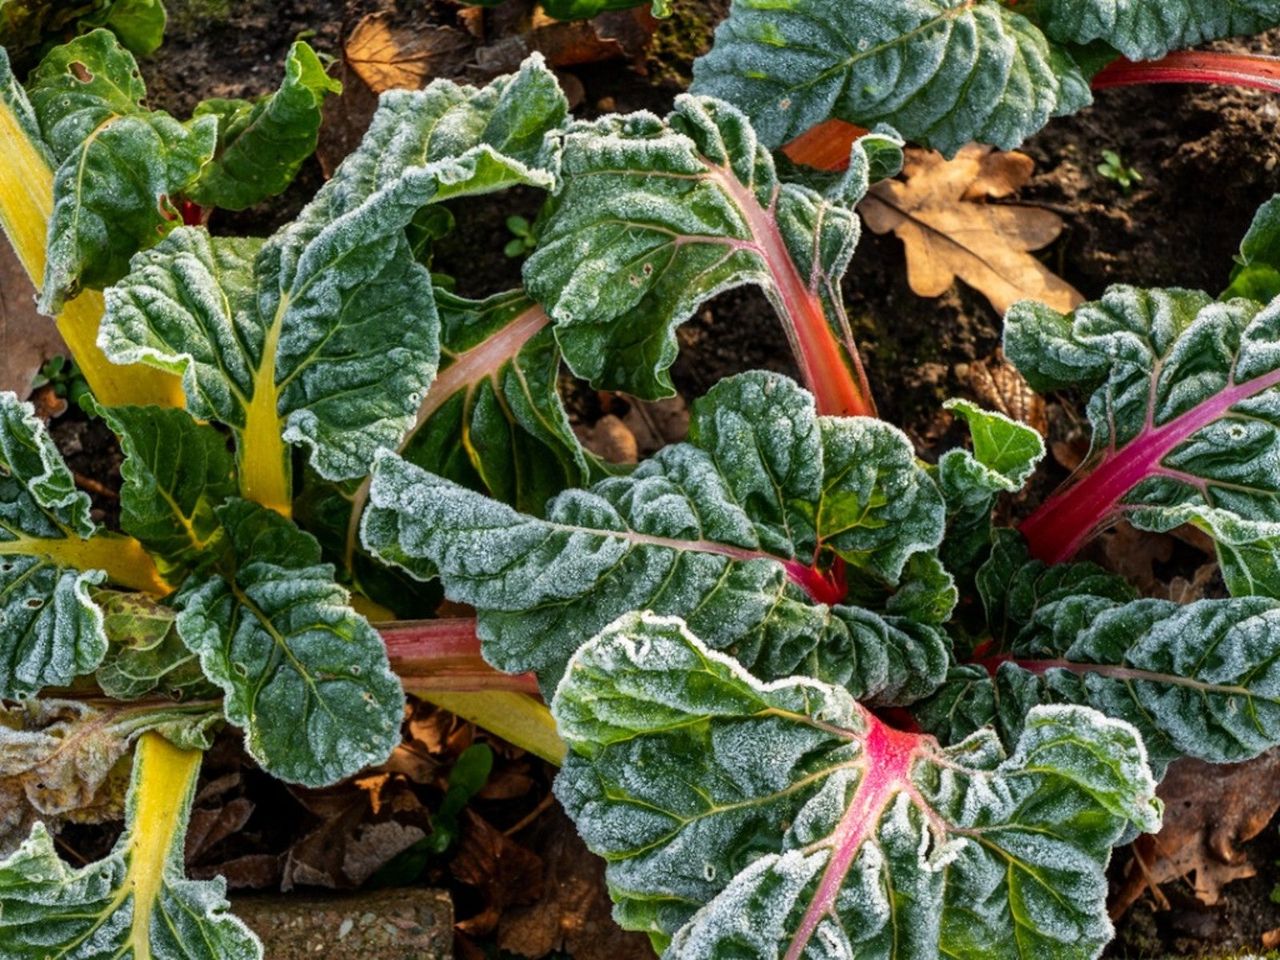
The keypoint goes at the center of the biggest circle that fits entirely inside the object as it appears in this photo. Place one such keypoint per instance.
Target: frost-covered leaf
(785, 820)
(120, 166)
(1257, 272)
(656, 216)
(135, 902)
(1005, 452)
(145, 653)
(941, 72)
(327, 334)
(262, 144)
(305, 676)
(1198, 680)
(60, 759)
(176, 471)
(493, 419)
(1186, 421)
(50, 629)
(1148, 29)
(750, 531)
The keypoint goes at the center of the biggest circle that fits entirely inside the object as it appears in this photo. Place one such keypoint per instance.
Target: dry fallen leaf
(997, 385)
(939, 211)
(610, 439)
(573, 914)
(390, 57)
(27, 339)
(504, 872)
(1210, 809)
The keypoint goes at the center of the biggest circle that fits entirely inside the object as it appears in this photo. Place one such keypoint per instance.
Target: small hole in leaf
(240, 669)
(6, 567)
(709, 872)
(80, 71)
(355, 670)
(34, 603)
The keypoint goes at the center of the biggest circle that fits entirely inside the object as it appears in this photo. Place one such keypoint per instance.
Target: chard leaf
(656, 216)
(327, 334)
(1185, 416)
(119, 165)
(785, 820)
(493, 419)
(176, 471)
(749, 530)
(145, 652)
(262, 145)
(1257, 272)
(138, 23)
(50, 629)
(61, 758)
(305, 676)
(941, 72)
(1148, 29)
(1199, 680)
(1005, 454)
(136, 901)
(26, 25)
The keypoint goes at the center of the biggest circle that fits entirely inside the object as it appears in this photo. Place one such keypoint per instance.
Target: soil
(1208, 159)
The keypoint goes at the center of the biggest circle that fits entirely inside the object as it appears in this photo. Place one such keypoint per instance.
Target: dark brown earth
(1208, 158)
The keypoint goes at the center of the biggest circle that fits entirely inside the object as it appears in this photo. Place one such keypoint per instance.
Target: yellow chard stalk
(26, 204)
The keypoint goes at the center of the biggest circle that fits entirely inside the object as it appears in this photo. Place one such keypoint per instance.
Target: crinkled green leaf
(120, 165)
(493, 419)
(747, 530)
(941, 72)
(1257, 272)
(50, 629)
(1186, 421)
(1198, 680)
(1148, 29)
(60, 759)
(176, 471)
(656, 216)
(327, 334)
(145, 653)
(1019, 594)
(1004, 455)
(133, 903)
(785, 820)
(305, 676)
(261, 145)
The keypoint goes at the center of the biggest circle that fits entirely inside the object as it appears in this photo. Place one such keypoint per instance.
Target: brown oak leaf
(939, 210)
(390, 57)
(1210, 810)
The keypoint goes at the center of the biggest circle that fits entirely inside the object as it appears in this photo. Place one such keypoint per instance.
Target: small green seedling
(1114, 168)
(65, 377)
(523, 240)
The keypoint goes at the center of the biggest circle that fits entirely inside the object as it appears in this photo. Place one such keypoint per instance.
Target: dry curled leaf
(390, 57)
(503, 871)
(940, 211)
(63, 762)
(1210, 810)
(997, 385)
(573, 914)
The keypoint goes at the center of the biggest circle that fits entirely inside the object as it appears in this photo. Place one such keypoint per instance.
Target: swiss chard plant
(811, 700)
(948, 72)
